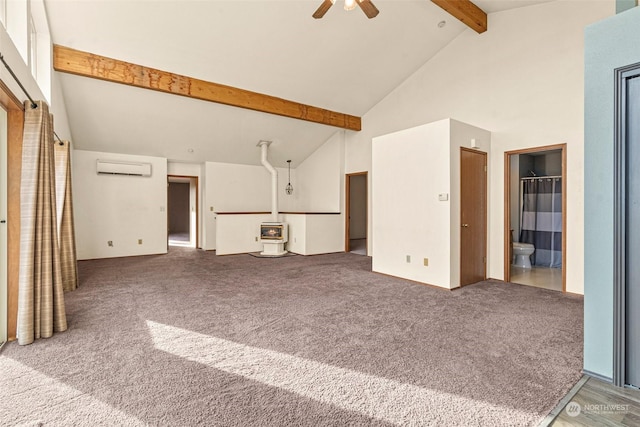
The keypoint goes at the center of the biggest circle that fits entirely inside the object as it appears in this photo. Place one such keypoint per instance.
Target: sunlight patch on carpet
(378, 398)
(181, 243)
(28, 397)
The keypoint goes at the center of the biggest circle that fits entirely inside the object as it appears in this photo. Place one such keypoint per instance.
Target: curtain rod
(33, 103)
(542, 177)
(17, 80)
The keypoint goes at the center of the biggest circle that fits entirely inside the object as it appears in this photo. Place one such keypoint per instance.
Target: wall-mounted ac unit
(115, 167)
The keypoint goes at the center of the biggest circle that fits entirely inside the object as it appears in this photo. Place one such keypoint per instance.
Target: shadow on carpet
(191, 338)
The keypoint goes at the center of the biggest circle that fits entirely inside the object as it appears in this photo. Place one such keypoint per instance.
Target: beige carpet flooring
(191, 338)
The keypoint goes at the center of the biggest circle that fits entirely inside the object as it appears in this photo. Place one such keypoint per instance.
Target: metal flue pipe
(264, 147)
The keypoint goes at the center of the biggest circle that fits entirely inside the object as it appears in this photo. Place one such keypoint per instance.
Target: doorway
(627, 229)
(473, 216)
(356, 213)
(535, 220)
(3, 226)
(182, 211)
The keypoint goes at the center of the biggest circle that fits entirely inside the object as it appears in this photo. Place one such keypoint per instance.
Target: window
(33, 48)
(40, 47)
(26, 25)
(3, 12)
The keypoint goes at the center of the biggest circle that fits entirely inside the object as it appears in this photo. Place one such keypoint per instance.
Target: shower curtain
(542, 219)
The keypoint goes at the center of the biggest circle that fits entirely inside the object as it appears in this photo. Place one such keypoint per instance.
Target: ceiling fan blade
(368, 8)
(324, 7)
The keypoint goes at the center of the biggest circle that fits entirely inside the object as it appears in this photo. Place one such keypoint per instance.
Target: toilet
(522, 252)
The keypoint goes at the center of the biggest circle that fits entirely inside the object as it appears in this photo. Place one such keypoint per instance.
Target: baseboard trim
(597, 376)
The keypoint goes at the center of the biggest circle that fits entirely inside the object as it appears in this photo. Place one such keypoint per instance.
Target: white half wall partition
(239, 233)
(119, 215)
(313, 234)
(309, 234)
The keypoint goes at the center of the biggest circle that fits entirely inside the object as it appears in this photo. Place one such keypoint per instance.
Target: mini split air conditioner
(115, 167)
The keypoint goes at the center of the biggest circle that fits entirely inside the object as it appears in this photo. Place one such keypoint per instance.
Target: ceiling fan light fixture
(367, 7)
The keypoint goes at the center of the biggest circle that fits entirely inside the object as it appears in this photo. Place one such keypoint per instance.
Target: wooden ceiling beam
(67, 60)
(467, 12)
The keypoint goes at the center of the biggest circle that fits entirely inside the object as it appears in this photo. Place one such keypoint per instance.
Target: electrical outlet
(408, 258)
(426, 262)
(139, 241)
(110, 243)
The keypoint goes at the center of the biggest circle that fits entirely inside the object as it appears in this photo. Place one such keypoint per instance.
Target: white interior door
(3, 225)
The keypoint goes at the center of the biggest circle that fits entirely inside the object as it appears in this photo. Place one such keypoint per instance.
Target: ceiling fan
(367, 7)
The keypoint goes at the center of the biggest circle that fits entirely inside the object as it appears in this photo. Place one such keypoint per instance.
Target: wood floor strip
(563, 402)
(601, 404)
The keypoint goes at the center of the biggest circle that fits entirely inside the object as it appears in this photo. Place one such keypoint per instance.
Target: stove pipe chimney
(264, 147)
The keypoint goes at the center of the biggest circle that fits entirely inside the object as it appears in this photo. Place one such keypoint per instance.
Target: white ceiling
(343, 62)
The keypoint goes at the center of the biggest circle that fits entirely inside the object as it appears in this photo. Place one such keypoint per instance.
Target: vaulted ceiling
(343, 62)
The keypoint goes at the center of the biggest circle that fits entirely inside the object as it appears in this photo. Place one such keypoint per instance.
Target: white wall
(241, 188)
(324, 234)
(121, 209)
(297, 233)
(411, 168)
(321, 178)
(312, 234)
(244, 188)
(523, 81)
(237, 234)
(209, 217)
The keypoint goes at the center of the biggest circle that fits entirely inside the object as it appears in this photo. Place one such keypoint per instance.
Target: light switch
(443, 197)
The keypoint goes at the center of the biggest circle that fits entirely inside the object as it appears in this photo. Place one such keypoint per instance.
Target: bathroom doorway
(182, 211)
(535, 217)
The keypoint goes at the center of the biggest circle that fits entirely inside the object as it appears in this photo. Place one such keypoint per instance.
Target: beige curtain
(66, 233)
(41, 309)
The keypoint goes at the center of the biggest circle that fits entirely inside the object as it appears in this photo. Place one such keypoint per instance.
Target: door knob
(465, 225)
